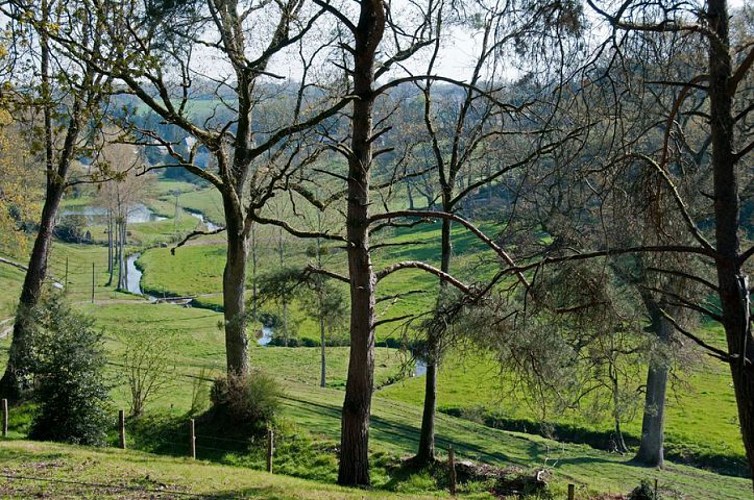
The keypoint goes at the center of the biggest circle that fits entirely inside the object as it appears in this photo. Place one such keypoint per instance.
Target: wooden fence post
(122, 428)
(571, 492)
(270, 448)
(452, 467)
(192, 443)
(5, 418)
(656, 497)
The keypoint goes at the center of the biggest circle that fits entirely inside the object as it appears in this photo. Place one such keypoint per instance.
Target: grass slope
(48, 470)
(394, 430)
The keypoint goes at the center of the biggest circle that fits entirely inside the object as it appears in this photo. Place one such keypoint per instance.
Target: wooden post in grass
(93, 281)
(656, 497)
(192, 442)
(270, 448)
(122, 428)
(452, 467)
(5, 418)
(571, 492)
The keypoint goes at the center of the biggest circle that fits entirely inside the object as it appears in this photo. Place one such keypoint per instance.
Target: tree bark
(354, 440)
(14, 383)
(425, 454)
(651, 451)
(651, 446)
(234, 307)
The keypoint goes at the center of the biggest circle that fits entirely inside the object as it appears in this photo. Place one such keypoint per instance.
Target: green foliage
(251, 399)
(68, 367)
(71, 228)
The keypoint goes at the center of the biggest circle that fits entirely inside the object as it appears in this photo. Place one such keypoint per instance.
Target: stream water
(210, 225)
(420, 368)
(266, 337)
(133, 273)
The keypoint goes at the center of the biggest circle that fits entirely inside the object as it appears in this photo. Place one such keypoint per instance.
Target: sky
(456, 59)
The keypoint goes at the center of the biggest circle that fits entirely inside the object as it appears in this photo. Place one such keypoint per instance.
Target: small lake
(137, 214)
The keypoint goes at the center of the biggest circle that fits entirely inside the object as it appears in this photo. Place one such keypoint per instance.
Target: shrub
(644, 491)
(71, 228)
(250, 400)
(68, 365)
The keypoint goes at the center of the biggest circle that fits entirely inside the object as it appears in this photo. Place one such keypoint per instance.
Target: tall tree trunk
(281, 253)
(651, 451)
(354, 439)
(14, 382)
(651, 446)
(426, 452)
(733, 286)
(234, 307)
(321, 299)
(121, 253)
(110, 250)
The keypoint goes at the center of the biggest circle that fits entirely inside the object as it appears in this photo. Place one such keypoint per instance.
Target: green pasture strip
(32, 469)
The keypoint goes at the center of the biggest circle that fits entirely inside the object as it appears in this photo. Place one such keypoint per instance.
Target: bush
(71, 228)
(250, 400)
(68, 365)
(645, 491)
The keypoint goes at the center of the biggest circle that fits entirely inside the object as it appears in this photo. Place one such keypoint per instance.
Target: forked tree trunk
(354, 439)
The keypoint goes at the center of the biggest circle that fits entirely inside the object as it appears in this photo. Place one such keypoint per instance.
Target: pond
(137, 214)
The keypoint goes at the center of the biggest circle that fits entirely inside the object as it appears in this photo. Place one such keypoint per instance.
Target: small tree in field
(147, 365)
(68, 363)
